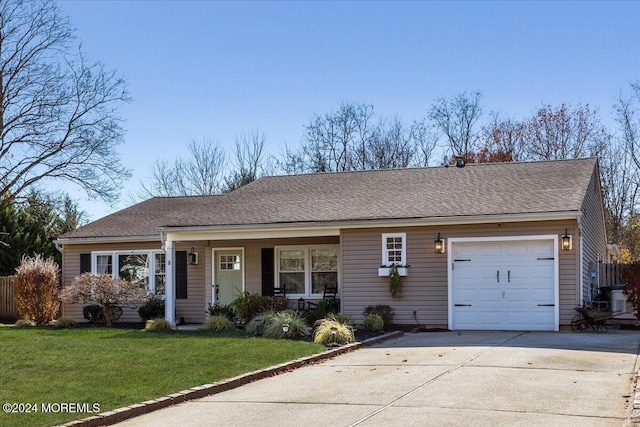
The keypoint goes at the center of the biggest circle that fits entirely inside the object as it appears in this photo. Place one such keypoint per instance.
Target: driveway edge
(120, 414)
(635, 411)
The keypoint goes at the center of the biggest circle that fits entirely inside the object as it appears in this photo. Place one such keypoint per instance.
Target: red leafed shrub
(36, 289)
(631, 276)
(105, 290)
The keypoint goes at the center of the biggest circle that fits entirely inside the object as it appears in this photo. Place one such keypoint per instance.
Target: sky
(209, 69)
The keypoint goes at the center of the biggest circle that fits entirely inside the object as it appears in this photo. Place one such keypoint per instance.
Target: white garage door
(503, 285)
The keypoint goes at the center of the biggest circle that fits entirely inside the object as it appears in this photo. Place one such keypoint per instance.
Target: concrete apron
(436, 379)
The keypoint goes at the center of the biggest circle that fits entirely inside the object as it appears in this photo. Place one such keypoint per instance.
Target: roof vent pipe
(459, 161)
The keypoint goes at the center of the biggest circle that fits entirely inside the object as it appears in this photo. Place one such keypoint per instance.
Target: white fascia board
(120, 239)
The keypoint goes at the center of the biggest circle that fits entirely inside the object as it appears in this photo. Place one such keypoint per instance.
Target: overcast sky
(215, 69)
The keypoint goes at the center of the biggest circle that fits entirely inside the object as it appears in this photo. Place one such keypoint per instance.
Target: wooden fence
(8, 307)
(611, 274)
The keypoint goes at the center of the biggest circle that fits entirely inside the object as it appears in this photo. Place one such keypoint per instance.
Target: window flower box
(384, 271)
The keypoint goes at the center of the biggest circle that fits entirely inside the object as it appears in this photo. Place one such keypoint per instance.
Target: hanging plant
(395, 285)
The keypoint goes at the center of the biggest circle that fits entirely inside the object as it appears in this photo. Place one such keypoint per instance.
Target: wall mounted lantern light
(192, 256)
(439, 245)
(566, 241)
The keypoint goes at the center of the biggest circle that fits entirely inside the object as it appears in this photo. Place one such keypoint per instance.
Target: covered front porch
(212, 267)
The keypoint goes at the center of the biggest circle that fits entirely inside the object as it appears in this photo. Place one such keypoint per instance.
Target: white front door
(504, 285)
(228, 275)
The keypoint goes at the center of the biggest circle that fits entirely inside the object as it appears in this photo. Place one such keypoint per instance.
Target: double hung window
(145, 267)
(306, 270)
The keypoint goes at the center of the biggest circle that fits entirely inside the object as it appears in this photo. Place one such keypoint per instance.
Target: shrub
(104, 290)
(343, 318)
(220, 310)
(151, 309)
(36, 289)
(247, 306)
(65, 323)
(631, 276)
(218, 323)
(384, 311)
(374, 322)
(256, 326)
(286, 325)
(94, 313)
(24, 323)
(158, 325)
(331, 332)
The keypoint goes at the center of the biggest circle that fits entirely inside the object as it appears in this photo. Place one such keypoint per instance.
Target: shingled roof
(414, 193)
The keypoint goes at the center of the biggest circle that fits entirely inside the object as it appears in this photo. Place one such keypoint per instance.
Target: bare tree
(58, 113)
(502, 139)
(250, 163)
(627, 109)
(564, 133)
(620, 186)
(200, 174)
(353, 139)
(390, 147)
(424, 142)
(456, 120)
(337, 141)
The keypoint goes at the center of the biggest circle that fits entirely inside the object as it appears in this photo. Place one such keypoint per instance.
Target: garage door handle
(463, 305)
(546, 305)
(498, 275)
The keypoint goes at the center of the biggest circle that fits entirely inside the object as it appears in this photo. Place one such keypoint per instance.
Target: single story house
(503, 246)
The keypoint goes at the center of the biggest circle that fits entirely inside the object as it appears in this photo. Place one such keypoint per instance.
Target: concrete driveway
(438, 379)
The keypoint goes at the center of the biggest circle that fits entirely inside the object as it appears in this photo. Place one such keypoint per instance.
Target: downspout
(581, 254)
(58, 247)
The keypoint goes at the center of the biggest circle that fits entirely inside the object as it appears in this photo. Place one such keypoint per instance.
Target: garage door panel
(466, 272)
(489, 252)
(490, 295)
(466, 296)
(511, 301)
(490, 319)
(517, 296)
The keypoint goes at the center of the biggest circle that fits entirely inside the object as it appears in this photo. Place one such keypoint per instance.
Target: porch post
(170, 285)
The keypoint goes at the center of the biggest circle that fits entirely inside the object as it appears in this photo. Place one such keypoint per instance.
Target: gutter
(371, 223)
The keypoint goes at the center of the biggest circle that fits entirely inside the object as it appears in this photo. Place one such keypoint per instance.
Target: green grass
(117, 367)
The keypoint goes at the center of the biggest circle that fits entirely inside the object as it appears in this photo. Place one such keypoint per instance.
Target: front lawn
(119, 367)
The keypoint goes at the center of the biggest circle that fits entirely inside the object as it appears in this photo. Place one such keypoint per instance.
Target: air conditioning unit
(619, 301)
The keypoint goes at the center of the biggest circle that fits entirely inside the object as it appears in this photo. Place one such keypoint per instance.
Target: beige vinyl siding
(425, 288)
(192, 308)
(253, 258)
(594, 237)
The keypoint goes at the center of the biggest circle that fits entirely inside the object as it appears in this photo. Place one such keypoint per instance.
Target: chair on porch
(330, 293)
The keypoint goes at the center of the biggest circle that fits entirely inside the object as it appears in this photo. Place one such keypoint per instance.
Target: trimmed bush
(331, 332)
(36, 289)
(152, 309)
(220, 310)
(158, 325)
(64, 323)
(24, 323)
(384, 311)
(218, 323)
(374, 322)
